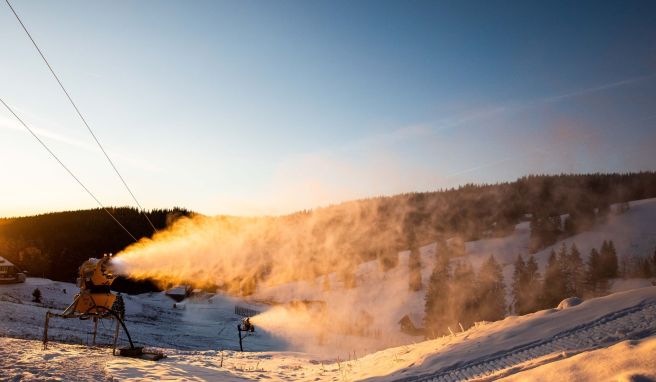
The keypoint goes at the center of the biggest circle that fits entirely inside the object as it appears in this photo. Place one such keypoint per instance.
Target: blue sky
(268, 107)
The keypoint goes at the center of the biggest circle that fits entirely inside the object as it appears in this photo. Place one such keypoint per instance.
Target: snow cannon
(96, 301)
(245, 327)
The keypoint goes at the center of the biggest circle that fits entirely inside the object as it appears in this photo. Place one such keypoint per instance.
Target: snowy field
(570, 340)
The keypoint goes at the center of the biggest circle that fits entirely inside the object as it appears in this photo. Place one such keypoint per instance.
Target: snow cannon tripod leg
(115, 337)
(45, 331)
(95, 330)
(241, 347)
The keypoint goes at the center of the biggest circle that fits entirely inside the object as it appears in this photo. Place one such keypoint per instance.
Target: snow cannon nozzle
(246, 325)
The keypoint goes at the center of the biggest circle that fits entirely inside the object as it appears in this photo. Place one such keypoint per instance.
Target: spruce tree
(532, 286)
(491, 291)
(437, 298)
(553, 288)
(463, 299)
(609, 262)
(414, 270)
(565, 272)
(519, 285)
(593, 272)
(576, 272)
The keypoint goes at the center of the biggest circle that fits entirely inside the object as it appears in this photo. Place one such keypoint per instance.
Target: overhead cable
(84, 121)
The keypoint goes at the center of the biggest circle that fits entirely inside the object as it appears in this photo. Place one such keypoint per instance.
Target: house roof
(5, 262)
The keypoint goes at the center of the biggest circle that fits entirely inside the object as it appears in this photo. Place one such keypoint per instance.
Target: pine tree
(576, 272)
(565, 272)
(519, 285)
(36, 295)
(491, 291)
(553, 288)
(414, 270)
(609, 262)
(463, 303)
(532, 285)
(437, 296)
(593, 272)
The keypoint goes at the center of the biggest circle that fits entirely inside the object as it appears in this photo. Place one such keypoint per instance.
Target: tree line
(339, 237)
(457, 296)
(54, 245)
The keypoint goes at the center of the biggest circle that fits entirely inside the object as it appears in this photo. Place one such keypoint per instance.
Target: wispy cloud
(599, 88)
(50, 133)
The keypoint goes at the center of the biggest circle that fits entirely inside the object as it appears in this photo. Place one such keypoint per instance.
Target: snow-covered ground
(197, 324)
(633, 233)
(526, 347)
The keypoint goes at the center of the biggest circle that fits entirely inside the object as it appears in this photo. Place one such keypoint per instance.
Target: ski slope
(507, 348)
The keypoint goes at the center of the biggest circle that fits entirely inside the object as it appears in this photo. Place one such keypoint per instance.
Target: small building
(409, 328)
(9, 273)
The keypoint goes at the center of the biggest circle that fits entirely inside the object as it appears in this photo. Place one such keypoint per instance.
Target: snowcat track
(636, 322)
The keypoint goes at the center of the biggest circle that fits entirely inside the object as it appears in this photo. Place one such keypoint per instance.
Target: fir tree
(565, 272)
(532, 293)
(437, 295)
(594, 273)
(519, 285)
(609, 262)
(553, 288)
(576, 272)
(414, 270)
(36, 295)
(491, 291)
(463, 304)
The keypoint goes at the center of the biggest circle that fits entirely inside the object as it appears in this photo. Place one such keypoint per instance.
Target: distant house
(9, 273)
(409, 328)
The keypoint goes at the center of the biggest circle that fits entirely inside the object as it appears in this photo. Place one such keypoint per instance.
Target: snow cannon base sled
(139, 352)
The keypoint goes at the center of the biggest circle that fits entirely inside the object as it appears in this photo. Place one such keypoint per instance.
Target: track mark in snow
(632, 323)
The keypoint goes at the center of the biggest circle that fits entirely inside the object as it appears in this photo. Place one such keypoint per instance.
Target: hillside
(341, 236)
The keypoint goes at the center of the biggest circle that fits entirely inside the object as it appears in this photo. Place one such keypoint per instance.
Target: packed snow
(513, 345)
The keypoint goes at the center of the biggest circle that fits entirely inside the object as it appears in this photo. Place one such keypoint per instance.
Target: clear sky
(247, 107)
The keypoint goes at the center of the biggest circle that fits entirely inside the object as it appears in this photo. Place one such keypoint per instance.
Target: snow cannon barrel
(96, 273)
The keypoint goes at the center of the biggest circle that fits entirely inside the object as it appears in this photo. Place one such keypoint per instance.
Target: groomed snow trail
(632, 323)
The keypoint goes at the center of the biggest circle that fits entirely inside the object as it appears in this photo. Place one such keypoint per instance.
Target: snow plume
(238, 253)
(308, 262)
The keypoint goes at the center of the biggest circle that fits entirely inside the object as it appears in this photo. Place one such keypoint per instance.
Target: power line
(66, 168)
(95, 138)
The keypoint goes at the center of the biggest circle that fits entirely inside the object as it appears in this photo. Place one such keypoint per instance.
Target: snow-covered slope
(205, 322)
(524, 348)
(633, 232)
